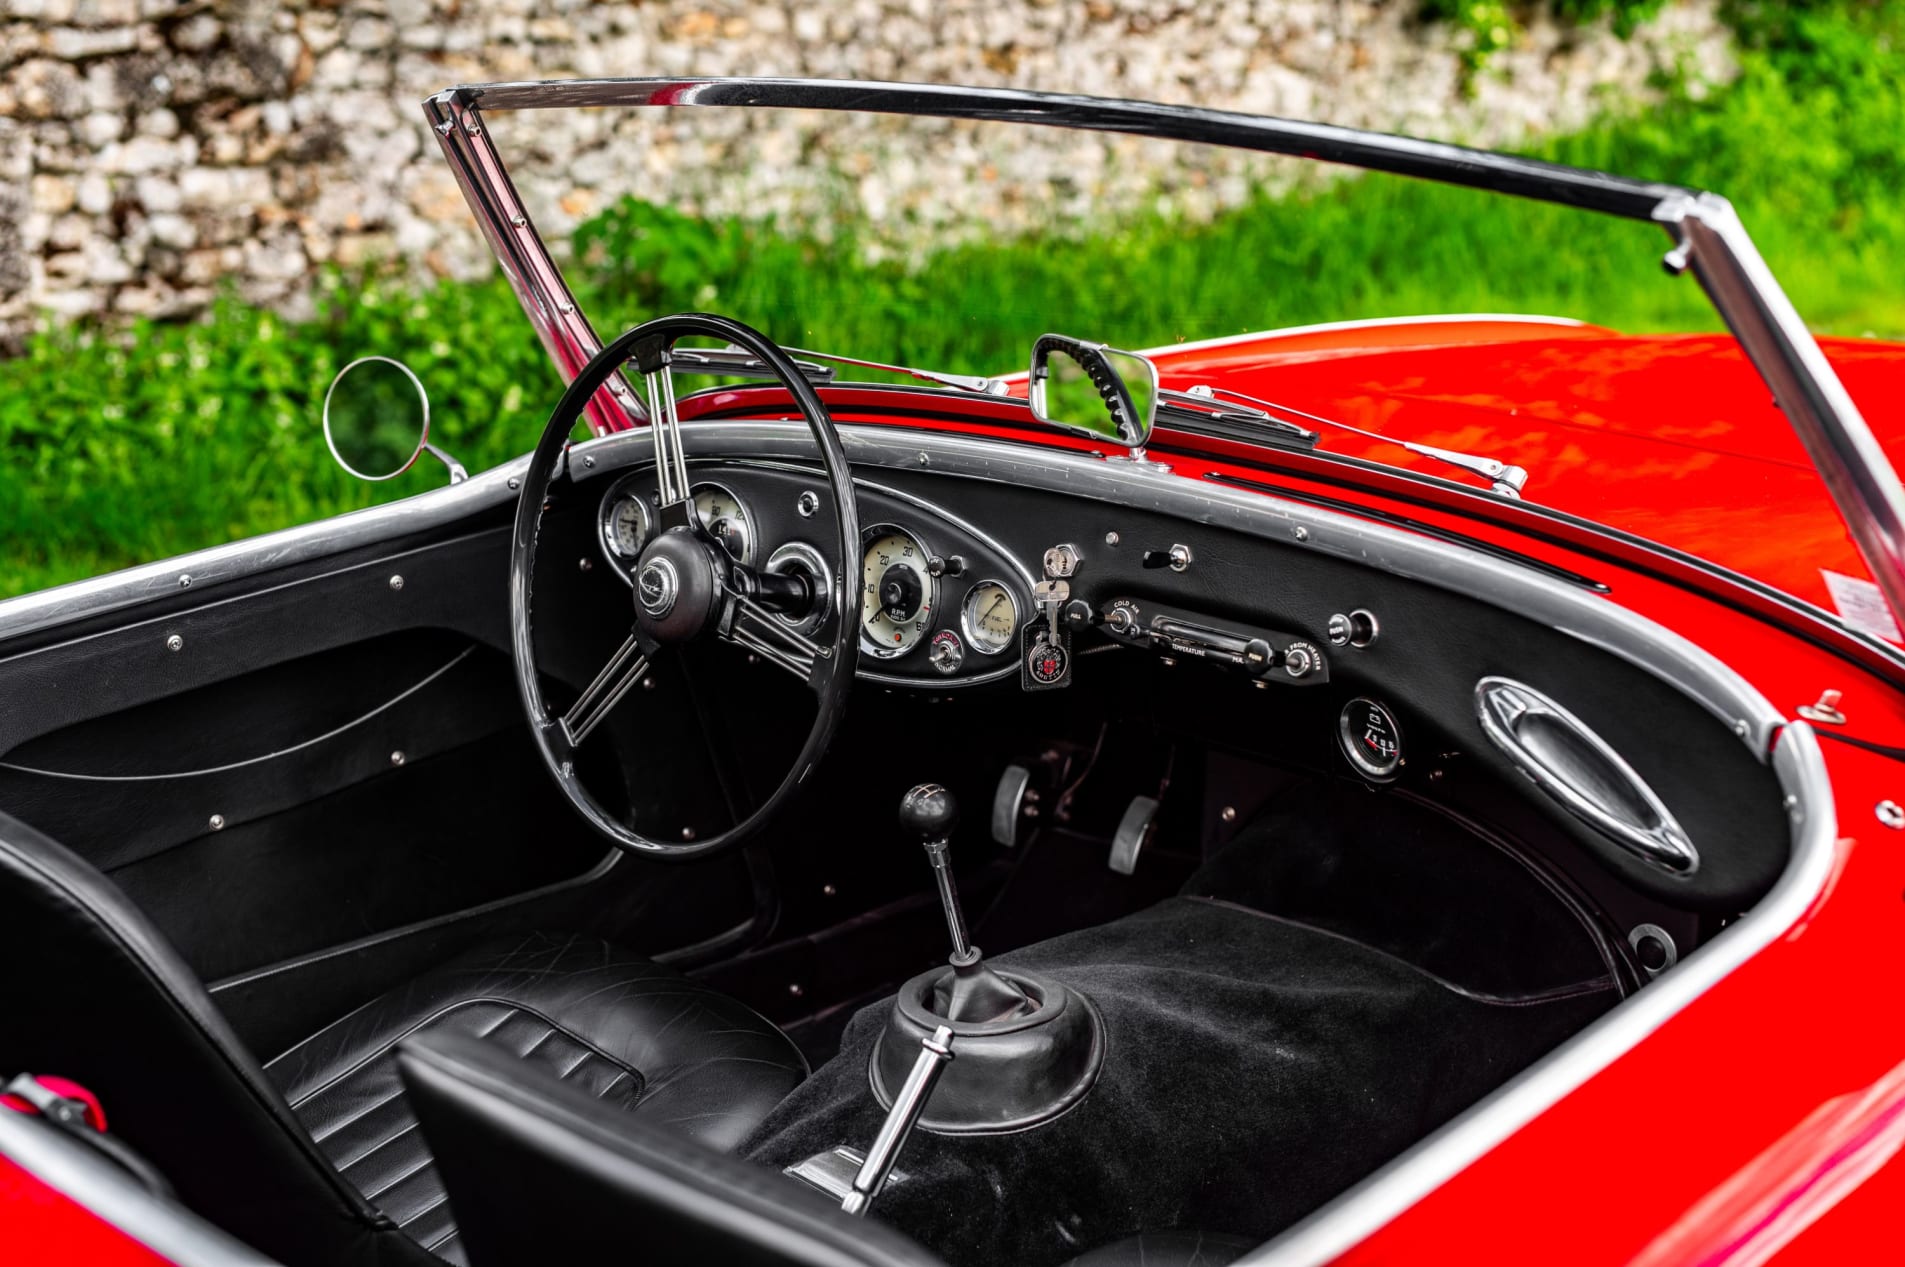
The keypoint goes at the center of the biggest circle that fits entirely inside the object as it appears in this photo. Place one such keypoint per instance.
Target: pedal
(1133, 834)
(1013, 801)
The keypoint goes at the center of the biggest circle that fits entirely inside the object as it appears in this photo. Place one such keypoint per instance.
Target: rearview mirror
(1093, 389)
(377, 420)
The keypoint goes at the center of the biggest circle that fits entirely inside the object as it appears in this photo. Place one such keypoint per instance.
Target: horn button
(675, 586)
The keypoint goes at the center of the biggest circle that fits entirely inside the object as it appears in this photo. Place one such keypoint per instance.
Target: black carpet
(1403, 878)
(1255, 1068)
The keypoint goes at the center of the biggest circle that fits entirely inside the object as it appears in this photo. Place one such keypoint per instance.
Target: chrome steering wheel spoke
(618, 677)
(747, 624)
(671, 462)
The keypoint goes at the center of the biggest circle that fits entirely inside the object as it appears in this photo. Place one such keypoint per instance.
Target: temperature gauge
(1369, 736)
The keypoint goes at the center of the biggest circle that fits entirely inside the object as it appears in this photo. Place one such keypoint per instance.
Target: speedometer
(898, 592)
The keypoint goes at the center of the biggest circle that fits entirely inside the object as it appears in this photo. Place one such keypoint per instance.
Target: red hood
(1671, 437)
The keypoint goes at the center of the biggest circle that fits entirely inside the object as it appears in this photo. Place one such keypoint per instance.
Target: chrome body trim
(115, 591)
(1352, 1217)
(1365, 323)
(91, 1181)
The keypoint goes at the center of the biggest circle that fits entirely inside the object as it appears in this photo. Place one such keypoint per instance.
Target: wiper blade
(1504, 478)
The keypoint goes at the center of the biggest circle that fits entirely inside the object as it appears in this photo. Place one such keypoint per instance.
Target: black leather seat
(315, 1159)
(539, 1176)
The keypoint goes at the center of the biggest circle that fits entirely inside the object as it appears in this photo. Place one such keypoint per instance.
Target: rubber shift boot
(973, 994)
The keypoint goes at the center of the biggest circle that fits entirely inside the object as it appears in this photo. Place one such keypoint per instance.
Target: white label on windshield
(1861, 605)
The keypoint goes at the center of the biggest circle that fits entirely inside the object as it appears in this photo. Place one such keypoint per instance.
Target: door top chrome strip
(114, 591)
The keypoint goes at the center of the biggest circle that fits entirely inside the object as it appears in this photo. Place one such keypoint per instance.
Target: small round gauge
(726, 518)
(624, 524)
(1369, 736)
(897, 592)
(990, 617)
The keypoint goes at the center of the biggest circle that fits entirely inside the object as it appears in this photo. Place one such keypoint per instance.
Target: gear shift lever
(971, 993)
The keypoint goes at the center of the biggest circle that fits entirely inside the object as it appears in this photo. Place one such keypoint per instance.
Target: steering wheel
(687, 586)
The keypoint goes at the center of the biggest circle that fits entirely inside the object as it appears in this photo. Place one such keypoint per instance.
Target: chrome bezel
(966, 626)
(622, 490)
(867, 536)
(817, 566)
(749, 550)
(1346, 742)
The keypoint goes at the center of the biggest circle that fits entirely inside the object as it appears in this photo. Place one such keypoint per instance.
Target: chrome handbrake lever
(934, 1054)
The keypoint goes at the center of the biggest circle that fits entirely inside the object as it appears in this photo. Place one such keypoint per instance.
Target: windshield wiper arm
(964, 382)
(740, 363)
(1504, 478)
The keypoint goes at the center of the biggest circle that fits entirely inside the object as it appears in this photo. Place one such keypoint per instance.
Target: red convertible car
(1428, 790)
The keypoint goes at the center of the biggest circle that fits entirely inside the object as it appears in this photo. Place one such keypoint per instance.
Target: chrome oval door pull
(1577, 768)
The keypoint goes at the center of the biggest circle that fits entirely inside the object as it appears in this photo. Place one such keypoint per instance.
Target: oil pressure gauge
(1370, 738)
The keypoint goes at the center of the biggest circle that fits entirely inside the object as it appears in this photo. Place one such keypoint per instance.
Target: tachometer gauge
(990, 617)
(726, 518)
(898, 593)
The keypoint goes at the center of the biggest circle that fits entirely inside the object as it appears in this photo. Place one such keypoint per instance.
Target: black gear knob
(929, 812)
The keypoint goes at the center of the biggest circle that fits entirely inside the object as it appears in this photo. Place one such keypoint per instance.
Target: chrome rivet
(185, 580)
(1891, 815)
(1740, 728)
(807, 505)
(1301, 533)
(589, 461)
(515, 481)
(397, 757)
(687, 833)
(1111, 538)
(519, 219)
(396, 582)
(1228, 813)
(174, 643)
(218, 822)
(923, 459)
(565, 306)
(648, 684)
(827, 890)
(585, 564)
(796, 990)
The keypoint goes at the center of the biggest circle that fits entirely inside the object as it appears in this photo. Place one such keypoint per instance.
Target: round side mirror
(376, 418)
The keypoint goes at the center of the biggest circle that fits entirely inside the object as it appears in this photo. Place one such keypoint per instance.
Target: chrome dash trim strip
(1352, 1217)
(1595, 620)
(218, 565)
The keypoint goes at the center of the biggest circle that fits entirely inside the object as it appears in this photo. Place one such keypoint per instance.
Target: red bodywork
(1760, 1119)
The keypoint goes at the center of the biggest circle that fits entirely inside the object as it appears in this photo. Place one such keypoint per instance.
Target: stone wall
(152, 151)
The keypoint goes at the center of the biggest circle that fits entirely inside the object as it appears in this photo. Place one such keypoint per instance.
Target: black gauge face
(1369, 736)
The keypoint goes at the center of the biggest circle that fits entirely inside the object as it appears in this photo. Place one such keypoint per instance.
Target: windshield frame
(1706, 236)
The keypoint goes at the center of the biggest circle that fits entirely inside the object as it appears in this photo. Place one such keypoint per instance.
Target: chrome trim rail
(201, 569)
(1373, 1203)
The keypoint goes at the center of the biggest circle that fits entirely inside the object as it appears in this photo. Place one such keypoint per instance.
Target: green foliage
(124, 446)
(1487, 27)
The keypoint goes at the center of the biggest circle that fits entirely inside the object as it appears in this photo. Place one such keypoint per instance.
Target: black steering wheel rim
(833, 665)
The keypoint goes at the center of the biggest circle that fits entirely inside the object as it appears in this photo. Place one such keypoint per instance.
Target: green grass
(120, 447)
